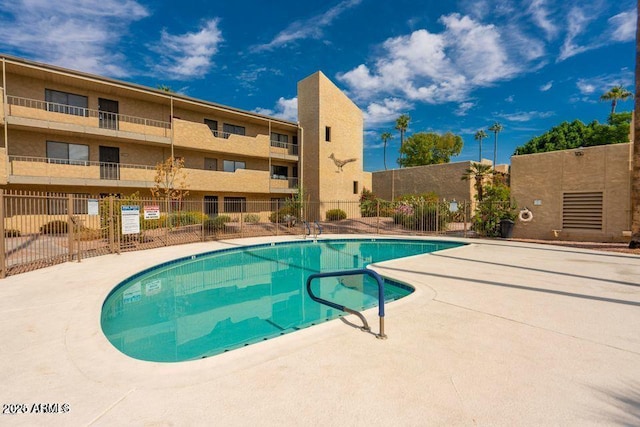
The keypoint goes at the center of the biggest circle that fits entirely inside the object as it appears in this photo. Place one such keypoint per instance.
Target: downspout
(172, 127)
(269, 136)
(4, 113)
(300, 155)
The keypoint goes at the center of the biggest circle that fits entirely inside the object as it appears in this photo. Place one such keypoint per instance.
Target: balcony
(283, 150)
(283, 185)
(45, 171)
(51, 116)
(199, 136)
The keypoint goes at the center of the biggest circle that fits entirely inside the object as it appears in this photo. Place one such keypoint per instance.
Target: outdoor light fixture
(579, 152)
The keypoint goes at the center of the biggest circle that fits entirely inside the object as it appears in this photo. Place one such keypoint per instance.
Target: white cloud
(79, 35)
(384, 111)
(577, 21)
(545, 87)
(311, 28)
(188, 55)
(525, 116)
(540, 16)
(623, 26)
(463, 108)
(443, 67)
(585, 87)
(286, 109)
(602, 83)
(510, 98)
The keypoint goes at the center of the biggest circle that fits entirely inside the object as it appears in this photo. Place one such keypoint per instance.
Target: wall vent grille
(582, 210)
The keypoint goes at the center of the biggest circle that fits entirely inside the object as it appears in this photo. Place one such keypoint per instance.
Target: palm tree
(477, 171)
(496, 128)
(635, 173)
(614, 94)
(385, 137)
(479, 136)
(402, 123)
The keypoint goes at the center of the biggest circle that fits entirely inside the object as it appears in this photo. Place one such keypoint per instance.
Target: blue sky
(451, 65)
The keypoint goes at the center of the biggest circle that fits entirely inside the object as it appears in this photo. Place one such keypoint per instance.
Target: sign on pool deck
(152, 212)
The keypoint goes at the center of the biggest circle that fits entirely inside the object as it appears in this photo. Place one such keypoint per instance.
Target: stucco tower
(332, 142)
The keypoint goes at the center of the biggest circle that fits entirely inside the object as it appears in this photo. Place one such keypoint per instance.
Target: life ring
(525, 215)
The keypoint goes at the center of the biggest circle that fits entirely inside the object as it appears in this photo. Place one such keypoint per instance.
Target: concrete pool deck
(496, 333)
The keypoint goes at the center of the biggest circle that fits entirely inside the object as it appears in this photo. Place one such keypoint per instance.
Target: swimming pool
(206, 304)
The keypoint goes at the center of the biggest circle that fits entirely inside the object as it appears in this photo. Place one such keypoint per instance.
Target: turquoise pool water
(206, 304)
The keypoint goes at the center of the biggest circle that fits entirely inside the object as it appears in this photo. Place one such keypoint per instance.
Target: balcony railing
(46, 171)
(285, 184)
(26, 107)
(283, 148)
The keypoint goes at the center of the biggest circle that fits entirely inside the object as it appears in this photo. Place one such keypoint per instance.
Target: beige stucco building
(72, 132)
(582, 194)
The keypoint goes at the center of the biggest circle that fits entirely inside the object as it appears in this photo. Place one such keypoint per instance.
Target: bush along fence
(43, 229)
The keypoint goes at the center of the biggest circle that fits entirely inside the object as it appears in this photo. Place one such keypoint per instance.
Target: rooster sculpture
(341, 163)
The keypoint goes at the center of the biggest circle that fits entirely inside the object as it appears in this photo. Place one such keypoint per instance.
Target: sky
(451, 65)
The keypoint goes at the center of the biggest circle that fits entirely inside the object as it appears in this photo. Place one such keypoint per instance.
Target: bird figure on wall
(341, 163)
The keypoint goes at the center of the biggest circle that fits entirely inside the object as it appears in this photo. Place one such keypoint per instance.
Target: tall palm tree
(496, 128)
(385, 137)
(479, 136)
(635, 173)
(402, 123)
(477, 171)
(615, 94)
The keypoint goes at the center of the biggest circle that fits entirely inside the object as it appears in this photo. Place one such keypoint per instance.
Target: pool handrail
(317, 229)
(356, 272)
(308, 229)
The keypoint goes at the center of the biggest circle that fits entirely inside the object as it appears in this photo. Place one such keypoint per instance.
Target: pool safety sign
(152, 212)
(130, 219)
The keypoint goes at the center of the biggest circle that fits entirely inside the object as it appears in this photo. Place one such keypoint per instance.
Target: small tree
(170, 180)
(478, 172)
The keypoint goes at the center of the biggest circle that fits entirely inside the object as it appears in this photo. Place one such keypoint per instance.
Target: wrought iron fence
(42, 229)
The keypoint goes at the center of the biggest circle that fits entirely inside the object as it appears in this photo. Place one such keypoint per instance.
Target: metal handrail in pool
(317, 229)
(357, 272)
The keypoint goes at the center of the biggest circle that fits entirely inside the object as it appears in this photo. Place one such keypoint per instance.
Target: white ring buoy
(525, 215)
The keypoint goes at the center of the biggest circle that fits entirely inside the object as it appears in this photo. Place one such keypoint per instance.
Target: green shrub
(213, 225)
(252, 218)
(55, 227)
(495, 205)
(336, 215)
(282, 214)
(11, 233)
(422, 213)
(178, 219)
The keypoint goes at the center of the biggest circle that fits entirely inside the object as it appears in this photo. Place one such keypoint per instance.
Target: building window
(67, 154)
(210, 164)
(233, 129)
(213, 126)
(66, 103)
(279, 172)
(582, 210)
(233, 165)
(58, 205)
(235, 204)
(279, 140)
(356, 187)
(278, 203)
(327, 133)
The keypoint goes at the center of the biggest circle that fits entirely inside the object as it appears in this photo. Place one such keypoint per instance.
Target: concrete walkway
(497, 333)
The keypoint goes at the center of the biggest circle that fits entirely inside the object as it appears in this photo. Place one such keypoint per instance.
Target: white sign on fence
(130, 216)
(152, 212)
(92, 207)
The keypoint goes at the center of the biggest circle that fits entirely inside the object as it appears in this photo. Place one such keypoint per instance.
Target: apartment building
(65, 131)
